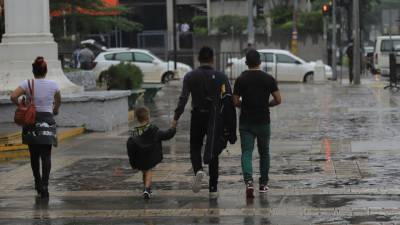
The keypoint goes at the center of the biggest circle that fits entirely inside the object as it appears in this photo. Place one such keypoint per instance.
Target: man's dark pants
(198, 130)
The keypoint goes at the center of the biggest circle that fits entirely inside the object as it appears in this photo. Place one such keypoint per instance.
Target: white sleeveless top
(44, 94)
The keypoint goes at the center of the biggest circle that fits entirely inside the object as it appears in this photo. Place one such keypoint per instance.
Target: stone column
(170, 23)
(27, 35)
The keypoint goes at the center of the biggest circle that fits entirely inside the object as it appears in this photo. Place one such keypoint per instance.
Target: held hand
(174, 124)
(55, 112)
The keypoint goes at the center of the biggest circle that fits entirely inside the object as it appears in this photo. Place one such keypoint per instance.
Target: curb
(20, 150)
(9, 139)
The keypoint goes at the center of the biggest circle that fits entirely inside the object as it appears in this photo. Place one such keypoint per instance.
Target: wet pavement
(335, 152)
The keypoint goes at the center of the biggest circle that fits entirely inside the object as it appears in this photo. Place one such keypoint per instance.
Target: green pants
(248, 133)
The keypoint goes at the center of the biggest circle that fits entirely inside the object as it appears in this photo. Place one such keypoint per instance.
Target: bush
(200, 31)
(281, 15)
(311, 22)
(199, 21)
(282, 18)
(124, 76)
(226, 22)
(200, 25)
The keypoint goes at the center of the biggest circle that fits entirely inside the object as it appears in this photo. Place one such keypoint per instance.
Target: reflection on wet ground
(334, 160)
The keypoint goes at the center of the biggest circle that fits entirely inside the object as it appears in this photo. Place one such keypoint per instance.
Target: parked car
(281, 64)
(94, 46)
(154, 69)
(384, 45)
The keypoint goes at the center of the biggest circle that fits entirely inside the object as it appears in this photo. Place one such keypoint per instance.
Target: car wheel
(308, 78)
(167, 77)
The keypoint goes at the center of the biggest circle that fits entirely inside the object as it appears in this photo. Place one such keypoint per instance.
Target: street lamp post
(250, 25)
(357, 40)
(294, 48)
(334, 45)
(174, 33)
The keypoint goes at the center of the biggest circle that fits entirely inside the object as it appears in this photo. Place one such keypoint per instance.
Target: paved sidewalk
(334, 161)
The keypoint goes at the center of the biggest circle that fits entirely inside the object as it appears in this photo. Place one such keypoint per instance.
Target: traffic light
(259, 10)
(326, 9)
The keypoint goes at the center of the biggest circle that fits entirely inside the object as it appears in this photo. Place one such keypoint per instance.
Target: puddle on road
(298, 170)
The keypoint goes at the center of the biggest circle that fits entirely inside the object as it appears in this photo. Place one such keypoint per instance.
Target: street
(334, 161)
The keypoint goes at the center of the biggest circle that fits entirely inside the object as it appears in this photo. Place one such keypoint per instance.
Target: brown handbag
(25, 114)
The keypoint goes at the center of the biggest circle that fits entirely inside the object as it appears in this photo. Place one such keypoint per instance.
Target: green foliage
(282, 18)
(311, 22)
(85, 24)
(200, 30)
(200, 25)
(225, 23)
(317, 5)
(124, 76)
(106, 24)
(199, 21)
(287, 26)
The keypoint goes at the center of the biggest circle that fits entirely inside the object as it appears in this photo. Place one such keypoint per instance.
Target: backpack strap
(32, 90)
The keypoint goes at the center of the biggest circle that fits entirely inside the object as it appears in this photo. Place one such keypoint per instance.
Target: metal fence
(223, 62)
(152, 39)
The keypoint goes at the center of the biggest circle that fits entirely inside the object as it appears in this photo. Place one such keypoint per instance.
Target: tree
(90, 16)
(200, 25)
(226, 23)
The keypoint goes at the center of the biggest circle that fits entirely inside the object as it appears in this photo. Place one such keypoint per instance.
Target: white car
(281, 64)
(153, 68)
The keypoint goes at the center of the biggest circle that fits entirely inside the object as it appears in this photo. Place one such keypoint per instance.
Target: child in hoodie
(144, 147)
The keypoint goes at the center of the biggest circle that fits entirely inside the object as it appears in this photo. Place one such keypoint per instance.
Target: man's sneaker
(147, 193)
(213, 191)
(213, 194)
(196, 186)
(249, 190)
(263, 188)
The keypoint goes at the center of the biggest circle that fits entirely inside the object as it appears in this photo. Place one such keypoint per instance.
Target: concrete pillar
(27, 35)
(170, 23)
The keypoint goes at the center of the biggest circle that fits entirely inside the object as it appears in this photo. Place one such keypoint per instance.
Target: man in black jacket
(197, 84)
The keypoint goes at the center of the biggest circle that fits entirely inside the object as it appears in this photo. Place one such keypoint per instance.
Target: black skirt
(44, 132)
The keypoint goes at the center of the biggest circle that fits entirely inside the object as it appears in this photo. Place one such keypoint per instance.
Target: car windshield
(390, 45)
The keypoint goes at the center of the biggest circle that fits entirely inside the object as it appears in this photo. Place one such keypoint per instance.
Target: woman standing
(42, 135)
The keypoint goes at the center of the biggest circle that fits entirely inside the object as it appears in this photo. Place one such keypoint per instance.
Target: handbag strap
(32, 90)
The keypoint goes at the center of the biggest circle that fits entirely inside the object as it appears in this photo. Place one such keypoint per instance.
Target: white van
(383, 46)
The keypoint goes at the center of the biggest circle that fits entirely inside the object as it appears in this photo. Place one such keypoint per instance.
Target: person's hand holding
(174, 124)
(55, 111)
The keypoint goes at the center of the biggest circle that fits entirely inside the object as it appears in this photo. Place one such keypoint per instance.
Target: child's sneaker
(147, 193)
(264, 188)
(249, 190)
(196, 186)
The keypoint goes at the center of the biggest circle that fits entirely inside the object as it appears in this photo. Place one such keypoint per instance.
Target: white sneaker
(196, 185)
(213, 194)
